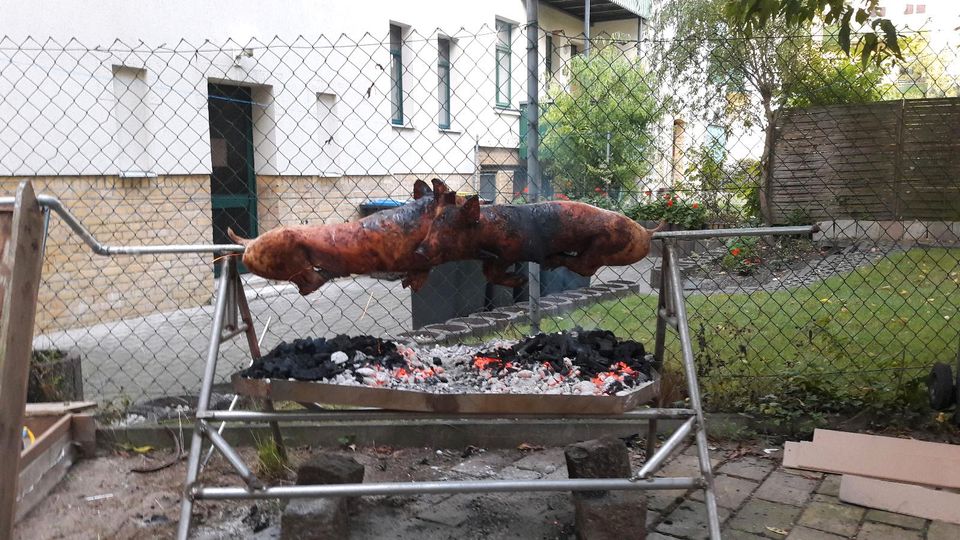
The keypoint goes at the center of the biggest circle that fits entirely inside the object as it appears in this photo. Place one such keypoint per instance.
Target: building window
(908, 10)
(548, 56)
(503, 54)
(396, 75)
(717, 141)
(443, 89)
(574, 51)
(921, 8)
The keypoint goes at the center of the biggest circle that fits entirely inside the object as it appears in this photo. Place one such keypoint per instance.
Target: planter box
(55, 380)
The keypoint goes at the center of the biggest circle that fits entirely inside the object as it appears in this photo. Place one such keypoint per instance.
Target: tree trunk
(766, 165)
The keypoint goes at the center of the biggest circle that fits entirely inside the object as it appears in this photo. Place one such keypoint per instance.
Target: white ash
(450, 370)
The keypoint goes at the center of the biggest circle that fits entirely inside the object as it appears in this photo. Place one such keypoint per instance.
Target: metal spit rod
(54, 204)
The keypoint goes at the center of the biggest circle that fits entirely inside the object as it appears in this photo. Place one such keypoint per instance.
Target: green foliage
(878, 43)
(669, 208)
(270, 462)
(743, 255)
(827, 78)
(728, 189)
(609, 103)
(860, 340)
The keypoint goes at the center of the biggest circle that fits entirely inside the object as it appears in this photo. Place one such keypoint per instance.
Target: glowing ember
(484, 362)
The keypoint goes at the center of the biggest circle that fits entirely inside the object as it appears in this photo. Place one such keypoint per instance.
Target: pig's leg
(496, 273)
(309, 280)
(415, 280)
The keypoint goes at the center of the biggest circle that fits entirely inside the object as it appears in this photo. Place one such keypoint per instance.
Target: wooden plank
(45, 440)
(918, 501)
(49, 478)
(83, 428)
(868, 455)
(20, 265)
(58, 409)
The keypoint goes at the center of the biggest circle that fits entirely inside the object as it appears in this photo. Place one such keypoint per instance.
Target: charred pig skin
(576, 235)
(309, 256)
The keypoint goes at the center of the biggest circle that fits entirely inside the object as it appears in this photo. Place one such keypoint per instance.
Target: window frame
(444, 83)
(396, 75)
(503, 50)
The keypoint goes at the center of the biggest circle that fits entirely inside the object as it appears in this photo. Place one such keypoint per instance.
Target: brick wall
(82, 289)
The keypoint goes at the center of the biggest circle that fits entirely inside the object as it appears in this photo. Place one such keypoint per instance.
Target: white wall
(320, 89)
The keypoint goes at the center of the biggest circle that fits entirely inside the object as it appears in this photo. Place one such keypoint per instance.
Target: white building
(167, 121)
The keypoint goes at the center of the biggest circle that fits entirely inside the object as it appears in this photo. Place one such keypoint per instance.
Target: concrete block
(315, 519)
(614, 516)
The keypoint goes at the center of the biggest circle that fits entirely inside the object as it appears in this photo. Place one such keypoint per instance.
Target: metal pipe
(203, 400)
(586, 27)
(742, 231)
(693, 389)
(472, 486)
(656, 461)
(234, 333)
(54, 204)
(302, 416)
(533, 147)
(232, 457)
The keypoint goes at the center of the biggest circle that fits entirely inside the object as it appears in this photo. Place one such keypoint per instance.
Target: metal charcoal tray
(412, 400)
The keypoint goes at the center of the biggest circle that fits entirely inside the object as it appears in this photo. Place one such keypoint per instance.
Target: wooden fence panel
(891, 160)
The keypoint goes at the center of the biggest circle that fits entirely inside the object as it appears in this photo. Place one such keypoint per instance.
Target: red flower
(695, 206)
(598, 189)
(648, 193)
(562, 197)
(735, 251)
(668, 196)
(670, 203)
(526, 189)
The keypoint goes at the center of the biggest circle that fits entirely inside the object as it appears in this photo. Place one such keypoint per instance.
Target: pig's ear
(439, 188)
(471, 209)
(421, 189)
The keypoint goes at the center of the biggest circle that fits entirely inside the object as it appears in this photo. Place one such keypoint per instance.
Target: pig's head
(454, 231)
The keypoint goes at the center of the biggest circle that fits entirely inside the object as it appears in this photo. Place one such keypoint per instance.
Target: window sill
(451, 131)
(402, 127)
(506, 111)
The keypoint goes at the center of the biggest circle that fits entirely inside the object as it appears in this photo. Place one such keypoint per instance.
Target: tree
(757, 72)
(750, 16)
(596, 127)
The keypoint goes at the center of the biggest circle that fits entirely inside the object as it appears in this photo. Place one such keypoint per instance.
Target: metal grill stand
(232, 318)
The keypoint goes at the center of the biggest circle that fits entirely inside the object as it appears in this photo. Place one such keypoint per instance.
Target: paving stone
(800, 532)
(513, 473)
(657, 536)
(733, 534)
(652, 517)
(731, 492)
(689, 520)
(804, 473)
(757, 515)
(941, 530)
(751, 468)
(660, 499)
(839, 519)
(830, 485)
(818, 497)
(608, 516)
(881, 531)
(483, 465)
(451, 512)
(900, 520)
(323, 519)
(786, 488)
(681, 465)
(543, 462)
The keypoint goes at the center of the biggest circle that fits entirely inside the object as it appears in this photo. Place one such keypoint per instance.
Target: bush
(743, 255)
(670, 208)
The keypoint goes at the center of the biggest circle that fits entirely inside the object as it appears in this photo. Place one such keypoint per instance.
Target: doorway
(233, 180)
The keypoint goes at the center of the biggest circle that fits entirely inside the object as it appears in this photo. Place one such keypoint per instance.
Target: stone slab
(318, 519)
(839, 519)
(881, 531)
(898, 520)
(751, 468)
(941, 530)
(786, 488)
(799, 532)
(731, 492)
(689, 520)
(757, 515)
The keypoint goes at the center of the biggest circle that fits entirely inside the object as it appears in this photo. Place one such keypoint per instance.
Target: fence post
(533, 148)
(21, 235)
(898, 163)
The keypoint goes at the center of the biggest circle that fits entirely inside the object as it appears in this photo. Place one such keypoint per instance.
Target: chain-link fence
(173, 144)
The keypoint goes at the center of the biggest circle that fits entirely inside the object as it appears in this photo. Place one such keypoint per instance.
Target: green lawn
(866, 336)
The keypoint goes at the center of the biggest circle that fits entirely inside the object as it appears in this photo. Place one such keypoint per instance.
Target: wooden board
(20, 263)
(57, 408)
(919, 501)
(886, 458)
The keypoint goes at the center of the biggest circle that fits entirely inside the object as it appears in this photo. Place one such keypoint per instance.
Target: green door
(233, 182)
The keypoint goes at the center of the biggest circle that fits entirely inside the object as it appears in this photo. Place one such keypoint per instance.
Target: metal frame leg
(693, 387)
(658, 351)
(247, 320)
(203, 401)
